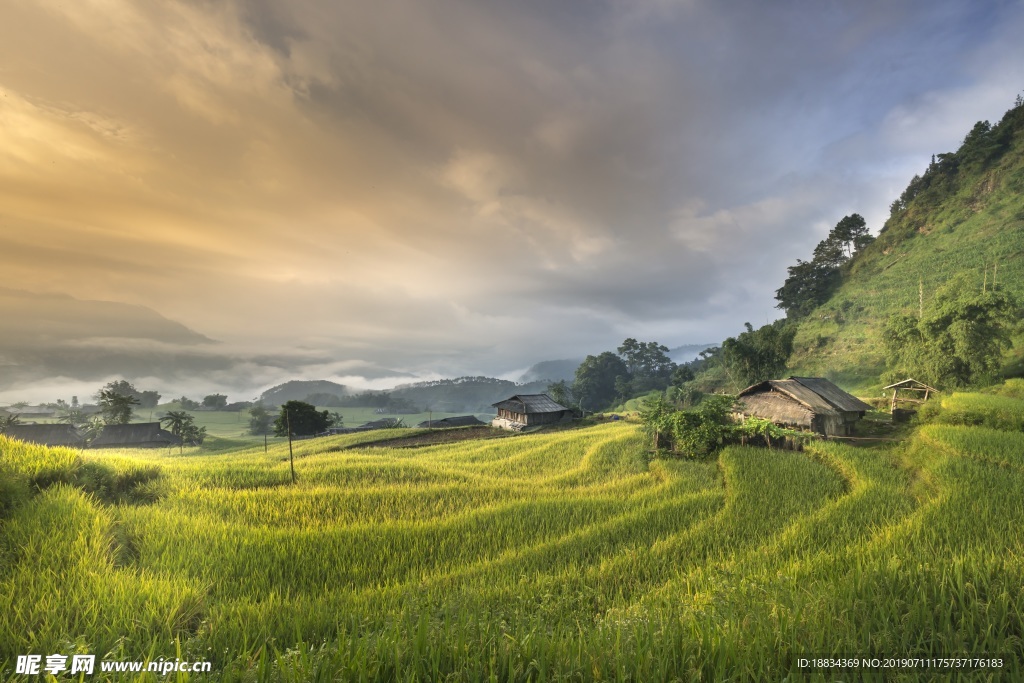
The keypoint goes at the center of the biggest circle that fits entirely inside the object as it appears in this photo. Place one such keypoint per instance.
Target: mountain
(688, 352)
(298, 390)
(464, 394)
(552, 371)
(965, 214)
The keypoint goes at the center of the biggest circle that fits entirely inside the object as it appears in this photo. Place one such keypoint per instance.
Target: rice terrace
(538, 557)
(511, 342)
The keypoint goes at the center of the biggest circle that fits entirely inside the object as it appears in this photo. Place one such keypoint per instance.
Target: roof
(816, 393)
(47, 435)
(529, 404)
(37, 411)
(833, 394)
(910, 383)
(457, 421)
(148, 433)
(779, 408)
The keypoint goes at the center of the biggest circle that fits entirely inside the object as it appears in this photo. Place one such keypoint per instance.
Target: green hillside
(964, 215)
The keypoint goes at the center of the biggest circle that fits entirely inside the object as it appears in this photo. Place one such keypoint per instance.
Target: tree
(260, 420)
(146, 399)
(648, 365)
(692, 433)
(187, 403)
(810, 283)
(176, 421)
(215, 401)
(183, 425)
(850, 232)
(757, 355)
(561, 393)
(303, 418)
(72, 416)
(117, 408)
(958, 341)
(8, 421)
(596, 376)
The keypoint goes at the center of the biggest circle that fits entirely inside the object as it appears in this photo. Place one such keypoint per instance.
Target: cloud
(472, 187)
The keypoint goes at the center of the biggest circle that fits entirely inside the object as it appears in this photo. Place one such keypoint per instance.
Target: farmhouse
(529, 410)
(142, 435)
(47, 435)
(811, 403)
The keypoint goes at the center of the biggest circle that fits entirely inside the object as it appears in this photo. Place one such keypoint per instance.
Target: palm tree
(7, 422)
(178, 423)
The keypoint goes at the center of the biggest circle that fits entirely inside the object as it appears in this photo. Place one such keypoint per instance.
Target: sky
(218, 196)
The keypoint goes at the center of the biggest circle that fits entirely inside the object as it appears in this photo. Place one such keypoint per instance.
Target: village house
(529, 410)
(140, 435)
(47, 434)
(808, 403)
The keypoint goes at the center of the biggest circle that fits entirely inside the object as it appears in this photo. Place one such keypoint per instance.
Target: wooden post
(291, 456)
(892, 407)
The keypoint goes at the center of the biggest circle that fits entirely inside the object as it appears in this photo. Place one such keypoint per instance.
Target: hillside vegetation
(563, 556)
(964, 215)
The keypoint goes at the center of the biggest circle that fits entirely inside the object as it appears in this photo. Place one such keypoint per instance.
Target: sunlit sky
(370, 192)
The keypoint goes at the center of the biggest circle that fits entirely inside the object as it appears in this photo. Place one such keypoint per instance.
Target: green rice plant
(996, 412)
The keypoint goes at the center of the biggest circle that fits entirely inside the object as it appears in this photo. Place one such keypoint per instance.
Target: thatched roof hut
(528, 410)
(811, 403)
(140, 435)
(47, 434)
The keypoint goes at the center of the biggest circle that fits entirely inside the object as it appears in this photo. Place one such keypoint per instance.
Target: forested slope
(965, 215)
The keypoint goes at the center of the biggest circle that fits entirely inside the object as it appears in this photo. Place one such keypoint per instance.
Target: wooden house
(808, 403)
(529, 410)
(47, 434)
(140, 435)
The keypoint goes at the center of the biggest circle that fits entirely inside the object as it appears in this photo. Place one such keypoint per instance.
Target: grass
(560, 556)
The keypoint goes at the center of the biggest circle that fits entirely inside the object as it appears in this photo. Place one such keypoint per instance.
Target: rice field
(542, 557)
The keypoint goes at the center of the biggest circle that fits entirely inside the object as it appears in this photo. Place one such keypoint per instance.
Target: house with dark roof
(39, 412)
(47, 434)
(456, 421)
(140, 435)
(809, 403)
(528, 410)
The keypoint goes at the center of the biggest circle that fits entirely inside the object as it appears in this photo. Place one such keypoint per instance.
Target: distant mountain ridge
(298, 390)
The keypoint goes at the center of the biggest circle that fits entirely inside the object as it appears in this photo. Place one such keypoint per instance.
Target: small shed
(456, 421)
(915, 392)
(140, 435)
(47, 434)
(810, 403)
(529, 410)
